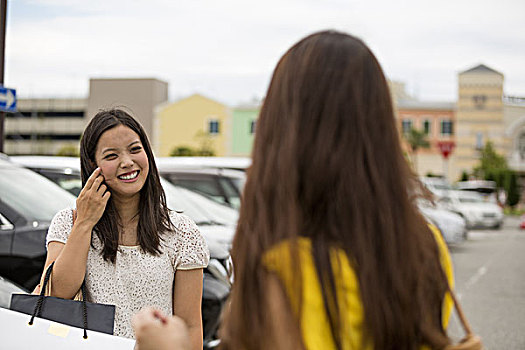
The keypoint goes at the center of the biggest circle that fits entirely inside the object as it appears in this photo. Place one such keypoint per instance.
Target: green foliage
(512, 188)
(68, 151)
(183, 151)
(417, 139)
(490, 162)
(464, 176)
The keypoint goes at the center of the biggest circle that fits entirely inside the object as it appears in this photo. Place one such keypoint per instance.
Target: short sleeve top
(315, 327)
(137, 279)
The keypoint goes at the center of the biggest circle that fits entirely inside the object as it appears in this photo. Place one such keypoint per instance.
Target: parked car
(452, 226)
(7, 288)
(216, 222)
(222, 185)
(28, 203)
(235, 163)
(473, 208)
(64, 171)
(437, 185)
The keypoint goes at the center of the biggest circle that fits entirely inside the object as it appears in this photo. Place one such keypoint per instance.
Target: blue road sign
(7, 99)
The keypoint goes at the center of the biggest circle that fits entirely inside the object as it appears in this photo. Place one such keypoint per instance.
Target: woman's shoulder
(181, 222)
(60, 226)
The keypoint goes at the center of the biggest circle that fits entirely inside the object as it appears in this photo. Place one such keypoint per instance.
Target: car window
(69, 182)
(238, 183)
(33, 196)
(199, 208)
(470, 200)
(231, 192)
(206, 186)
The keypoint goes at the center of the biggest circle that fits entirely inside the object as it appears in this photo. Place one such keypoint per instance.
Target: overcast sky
(227, 49)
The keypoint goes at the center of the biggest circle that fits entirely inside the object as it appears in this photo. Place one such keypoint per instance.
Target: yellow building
(196, 122)
(479, 116)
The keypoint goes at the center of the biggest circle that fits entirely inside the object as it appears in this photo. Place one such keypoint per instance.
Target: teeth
(130, 176)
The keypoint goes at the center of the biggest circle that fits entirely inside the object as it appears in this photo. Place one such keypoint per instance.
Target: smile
(129, 176)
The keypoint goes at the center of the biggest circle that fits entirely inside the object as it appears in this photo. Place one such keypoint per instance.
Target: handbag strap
(39, 304)
(463, 319)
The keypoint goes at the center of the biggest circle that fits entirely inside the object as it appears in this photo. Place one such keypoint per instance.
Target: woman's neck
(127, 208)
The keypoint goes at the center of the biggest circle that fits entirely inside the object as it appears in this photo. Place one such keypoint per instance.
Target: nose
(126, 161)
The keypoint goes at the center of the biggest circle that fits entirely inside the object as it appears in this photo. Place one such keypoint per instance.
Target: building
(45, 126)
(195, 122)
(514, 116)
(479, 116)
(244, 121)
(139, 96)
(436, 120)
(49, 126)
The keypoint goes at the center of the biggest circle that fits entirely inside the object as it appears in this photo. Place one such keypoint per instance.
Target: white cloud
(228, 49)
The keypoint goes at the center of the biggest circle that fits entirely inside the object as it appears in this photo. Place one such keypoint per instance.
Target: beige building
(479, 117)
(140, 96)
(45, 126)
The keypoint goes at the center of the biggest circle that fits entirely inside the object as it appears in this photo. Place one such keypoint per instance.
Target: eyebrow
(114, 149)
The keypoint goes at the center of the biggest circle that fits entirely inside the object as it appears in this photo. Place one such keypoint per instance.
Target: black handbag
(80, 314)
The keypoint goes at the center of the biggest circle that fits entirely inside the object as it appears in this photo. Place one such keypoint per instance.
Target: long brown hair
(328, 165)
(153, 211)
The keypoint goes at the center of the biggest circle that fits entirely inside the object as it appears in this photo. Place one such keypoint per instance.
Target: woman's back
(328, 167)
(315, 326)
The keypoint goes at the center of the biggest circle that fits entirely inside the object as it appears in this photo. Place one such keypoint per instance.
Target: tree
(512, 189)
(68, 151)
(490, 162)
(464, 176)
(416, 139)
(183, 151)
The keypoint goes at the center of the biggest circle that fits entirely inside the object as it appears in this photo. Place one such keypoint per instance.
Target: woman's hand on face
(92, 200)
(156, 331)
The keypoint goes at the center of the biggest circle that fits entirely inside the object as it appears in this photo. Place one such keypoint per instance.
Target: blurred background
(194, 73)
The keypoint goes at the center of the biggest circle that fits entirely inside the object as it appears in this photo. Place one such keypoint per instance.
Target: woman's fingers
(92, 178)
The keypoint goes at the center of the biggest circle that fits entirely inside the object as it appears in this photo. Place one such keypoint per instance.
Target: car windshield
(32, 195)
(202, 210)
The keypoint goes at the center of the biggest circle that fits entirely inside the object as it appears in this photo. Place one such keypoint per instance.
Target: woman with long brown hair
(330, 250)
(128, 247)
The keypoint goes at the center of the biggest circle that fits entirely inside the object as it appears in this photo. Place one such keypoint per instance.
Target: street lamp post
(3, 16)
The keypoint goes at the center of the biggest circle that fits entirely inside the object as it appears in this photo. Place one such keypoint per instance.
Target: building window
(213, 127)
(447, 127)
(406, 125)
(426, 126)
(253, 123)
(479, 141)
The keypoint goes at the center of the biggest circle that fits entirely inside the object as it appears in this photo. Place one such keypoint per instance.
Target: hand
(155, 331)
(92, 200)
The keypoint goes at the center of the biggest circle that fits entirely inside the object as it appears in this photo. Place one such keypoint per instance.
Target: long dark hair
(328, 165)
(153, 211)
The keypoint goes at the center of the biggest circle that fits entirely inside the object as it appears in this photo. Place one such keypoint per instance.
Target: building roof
(429, 105)
(481, 68)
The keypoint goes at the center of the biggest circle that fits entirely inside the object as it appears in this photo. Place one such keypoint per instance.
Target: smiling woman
(128, 247)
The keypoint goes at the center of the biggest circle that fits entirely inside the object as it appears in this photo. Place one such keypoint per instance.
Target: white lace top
(137, 279)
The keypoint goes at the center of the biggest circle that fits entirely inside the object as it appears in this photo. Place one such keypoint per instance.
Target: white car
(437, 185)
(474, 208)
(452, 226)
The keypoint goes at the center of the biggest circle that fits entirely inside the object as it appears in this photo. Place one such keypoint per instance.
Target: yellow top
(315, 326)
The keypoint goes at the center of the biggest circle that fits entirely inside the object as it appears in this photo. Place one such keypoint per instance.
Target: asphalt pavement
(490, 283)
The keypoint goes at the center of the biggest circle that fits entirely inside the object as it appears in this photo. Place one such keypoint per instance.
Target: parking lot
(490, 280)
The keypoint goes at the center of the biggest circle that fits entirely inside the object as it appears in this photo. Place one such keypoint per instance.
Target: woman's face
(122, 160)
